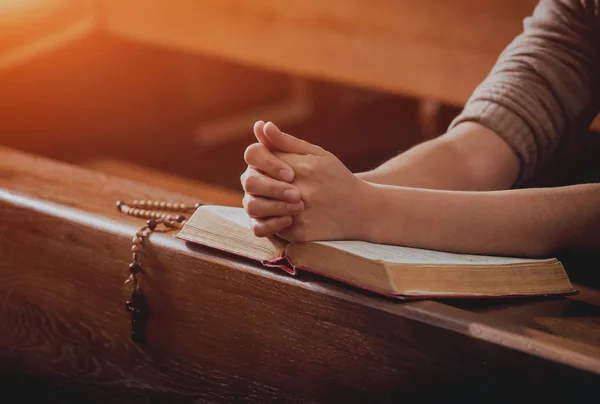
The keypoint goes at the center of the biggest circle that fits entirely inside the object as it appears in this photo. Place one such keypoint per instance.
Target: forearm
(470, 157)
(529, 222)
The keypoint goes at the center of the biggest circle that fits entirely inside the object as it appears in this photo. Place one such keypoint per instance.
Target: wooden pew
(225, 330)
(437, 49)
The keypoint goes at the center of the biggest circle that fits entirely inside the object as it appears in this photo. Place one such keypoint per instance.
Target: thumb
(288, 143)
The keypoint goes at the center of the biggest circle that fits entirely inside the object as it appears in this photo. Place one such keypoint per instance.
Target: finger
(270, 226)
(260, 184)
(257, 206)
(288, 143)
(260, 136)
(258, 156)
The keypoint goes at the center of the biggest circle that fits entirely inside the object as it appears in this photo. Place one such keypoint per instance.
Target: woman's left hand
(336, 202)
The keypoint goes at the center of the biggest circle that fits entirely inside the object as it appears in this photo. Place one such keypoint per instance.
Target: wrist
(368, 207)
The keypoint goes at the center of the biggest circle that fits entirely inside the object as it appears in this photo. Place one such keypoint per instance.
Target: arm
(469, 157)
(338, 205)
(540, 92)
(527, 222)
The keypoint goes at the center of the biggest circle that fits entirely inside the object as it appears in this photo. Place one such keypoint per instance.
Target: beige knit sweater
(543, 89)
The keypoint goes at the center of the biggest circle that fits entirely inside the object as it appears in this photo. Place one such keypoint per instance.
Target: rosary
(153, 211)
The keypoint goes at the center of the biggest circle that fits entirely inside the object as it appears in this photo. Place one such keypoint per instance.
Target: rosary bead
(151, 224)
(119, 205)
(183, 206)
(135, 203)
(179, 218)
(197, 205)
(137, 240)
(136, 248)
(142, 204)
(169, 205)
(162, 205)
(135, 268)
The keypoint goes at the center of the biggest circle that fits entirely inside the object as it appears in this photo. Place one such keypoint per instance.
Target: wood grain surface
(225, 330)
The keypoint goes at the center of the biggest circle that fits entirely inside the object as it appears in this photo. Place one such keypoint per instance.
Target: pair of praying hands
(299, 191)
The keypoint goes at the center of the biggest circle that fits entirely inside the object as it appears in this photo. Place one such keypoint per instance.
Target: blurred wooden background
(176, 85)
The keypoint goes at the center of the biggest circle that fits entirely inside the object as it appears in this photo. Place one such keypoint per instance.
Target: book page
(228, 229)
(236, 215)
(408, 255)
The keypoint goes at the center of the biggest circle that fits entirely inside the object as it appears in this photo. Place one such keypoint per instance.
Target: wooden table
(226, 330)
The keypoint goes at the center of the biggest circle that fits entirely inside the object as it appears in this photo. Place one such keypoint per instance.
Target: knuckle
(250, 182)
(244, 178)
(251, 205)
(256, 228)
(252, 152)
(307, 168)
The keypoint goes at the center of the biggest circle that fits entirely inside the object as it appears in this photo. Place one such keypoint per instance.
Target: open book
(389, 270)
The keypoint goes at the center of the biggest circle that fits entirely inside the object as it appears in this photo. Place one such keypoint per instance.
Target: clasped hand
(300, 191)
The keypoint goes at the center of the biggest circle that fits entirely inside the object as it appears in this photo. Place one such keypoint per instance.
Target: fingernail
(295, 207)
(286, 175)
(291, 195)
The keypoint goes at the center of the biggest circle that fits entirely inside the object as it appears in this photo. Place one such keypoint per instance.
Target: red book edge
(283, 263)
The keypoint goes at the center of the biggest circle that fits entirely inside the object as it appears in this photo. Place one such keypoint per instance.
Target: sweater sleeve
(543, 86)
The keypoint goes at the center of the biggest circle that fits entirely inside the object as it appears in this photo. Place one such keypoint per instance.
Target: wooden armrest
(223, 329)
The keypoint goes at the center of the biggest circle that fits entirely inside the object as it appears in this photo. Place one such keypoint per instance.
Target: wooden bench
(225, 330)
(438, 49)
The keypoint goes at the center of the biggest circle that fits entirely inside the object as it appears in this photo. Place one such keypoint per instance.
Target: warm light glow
(10, 5)
(29, 28)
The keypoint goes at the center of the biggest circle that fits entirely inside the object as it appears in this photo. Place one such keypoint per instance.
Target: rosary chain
(154, 212)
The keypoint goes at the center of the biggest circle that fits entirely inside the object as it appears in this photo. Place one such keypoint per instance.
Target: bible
(394, 271)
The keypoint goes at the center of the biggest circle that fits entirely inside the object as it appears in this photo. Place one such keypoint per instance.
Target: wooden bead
(139, 233)
(142, 213)
(120, 204)
(135, 268)
(137, 240)
(197, 205)
(169, 205)
(179, 218)
(134, 203)
(142, 204)
(136, 248)
(151, 224)
(162, 204)
(183, 206)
